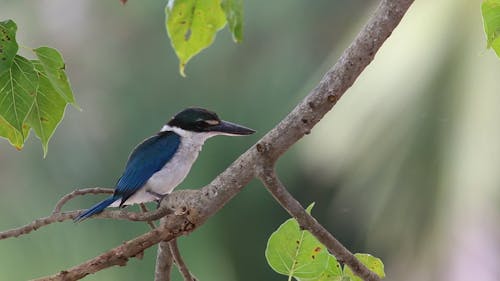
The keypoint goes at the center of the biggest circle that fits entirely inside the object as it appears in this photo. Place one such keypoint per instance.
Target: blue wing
(146, 159)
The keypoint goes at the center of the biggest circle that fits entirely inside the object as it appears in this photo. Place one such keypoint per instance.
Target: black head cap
(197, 119)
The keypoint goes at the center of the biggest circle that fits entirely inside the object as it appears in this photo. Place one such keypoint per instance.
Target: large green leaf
(234, 15)
(192, 25)
(53, 64)
(8, 44)
(17, 92)
(295, 252)
(372, 263)
(48, 108)
(491, 20)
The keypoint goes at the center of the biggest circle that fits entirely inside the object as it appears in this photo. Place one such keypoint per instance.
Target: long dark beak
(231, 129)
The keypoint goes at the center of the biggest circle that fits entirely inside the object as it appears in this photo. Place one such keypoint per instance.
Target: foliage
(491, 20)
(297, 253)
(33, 93)
(192, 25)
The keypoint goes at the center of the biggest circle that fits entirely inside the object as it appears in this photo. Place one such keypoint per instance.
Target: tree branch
(306, 221)
(164, 259)
(164, 262)
(197, 206)
(117, 256)
(107, 214)
(78, 192)
(176, 254)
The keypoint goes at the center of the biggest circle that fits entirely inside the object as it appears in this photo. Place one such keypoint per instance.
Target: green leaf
(54, 66)
(491, 21)
(234, 16)
(48, 109)
(192, 25)
(373, 263)
(333, 271)
(17, 92)
(14, 137)
(295, 252)
(8, 44)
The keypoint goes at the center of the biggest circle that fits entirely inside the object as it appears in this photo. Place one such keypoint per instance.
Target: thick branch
(309, 112)
(336, 81)
(306, 221)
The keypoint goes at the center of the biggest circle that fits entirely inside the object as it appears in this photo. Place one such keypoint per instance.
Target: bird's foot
(159, 197)
(158, 202)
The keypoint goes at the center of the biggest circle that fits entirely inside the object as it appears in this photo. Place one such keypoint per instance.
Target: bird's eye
(207, 123)
(212, 122)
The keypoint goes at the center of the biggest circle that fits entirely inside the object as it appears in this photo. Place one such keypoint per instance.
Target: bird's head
(198, 120)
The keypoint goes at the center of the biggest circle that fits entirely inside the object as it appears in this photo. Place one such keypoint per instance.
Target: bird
(161, 162)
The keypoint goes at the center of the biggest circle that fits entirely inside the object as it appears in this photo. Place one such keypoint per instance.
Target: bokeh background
(404, 167)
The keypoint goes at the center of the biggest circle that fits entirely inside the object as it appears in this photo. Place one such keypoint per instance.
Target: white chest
(176, 170)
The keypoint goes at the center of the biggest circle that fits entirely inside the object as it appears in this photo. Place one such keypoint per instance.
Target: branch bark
(164, 259)
(176, 254)
(164, 262)
(198, 205)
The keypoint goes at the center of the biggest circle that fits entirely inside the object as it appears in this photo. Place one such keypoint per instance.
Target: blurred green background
(404, 167)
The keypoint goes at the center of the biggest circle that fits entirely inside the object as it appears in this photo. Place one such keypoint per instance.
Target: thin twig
(176, 254)
(306, 221)
(107, 214)
(78, 192)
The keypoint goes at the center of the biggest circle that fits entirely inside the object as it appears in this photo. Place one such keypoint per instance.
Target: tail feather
(97, 208)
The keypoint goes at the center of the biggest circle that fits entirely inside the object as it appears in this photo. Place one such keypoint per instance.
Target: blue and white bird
(161, 162)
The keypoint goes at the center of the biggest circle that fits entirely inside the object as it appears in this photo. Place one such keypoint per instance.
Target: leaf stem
(26, 47)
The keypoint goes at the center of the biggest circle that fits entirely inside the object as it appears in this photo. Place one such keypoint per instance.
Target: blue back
(146, 159)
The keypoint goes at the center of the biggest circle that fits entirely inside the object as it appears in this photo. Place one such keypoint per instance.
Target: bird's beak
(231, 129)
